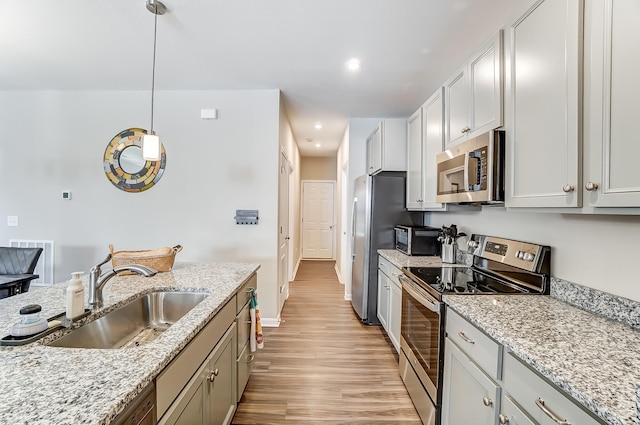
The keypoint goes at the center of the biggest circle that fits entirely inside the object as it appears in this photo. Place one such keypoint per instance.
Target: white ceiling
(407, 49)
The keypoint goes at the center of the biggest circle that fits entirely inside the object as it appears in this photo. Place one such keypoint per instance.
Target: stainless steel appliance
(472, 172)
(500, 266)
(378, 205)
(417, 240)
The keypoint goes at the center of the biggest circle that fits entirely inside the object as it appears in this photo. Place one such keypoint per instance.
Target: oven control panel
(524, 255)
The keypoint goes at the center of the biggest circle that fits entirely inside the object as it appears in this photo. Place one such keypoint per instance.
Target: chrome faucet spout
(97, 279)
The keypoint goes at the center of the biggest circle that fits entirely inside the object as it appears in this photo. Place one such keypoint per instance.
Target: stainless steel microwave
(473, 171)
(417, 240)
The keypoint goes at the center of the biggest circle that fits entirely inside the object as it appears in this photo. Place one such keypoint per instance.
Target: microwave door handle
(466, 173)
(471, 159)
(421, 298)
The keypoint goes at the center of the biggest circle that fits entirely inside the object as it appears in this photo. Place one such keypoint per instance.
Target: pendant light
(151, 147)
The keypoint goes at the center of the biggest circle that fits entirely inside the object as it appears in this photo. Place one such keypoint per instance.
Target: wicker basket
(160, 259)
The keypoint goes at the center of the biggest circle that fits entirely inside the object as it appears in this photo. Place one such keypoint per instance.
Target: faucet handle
(97, 266)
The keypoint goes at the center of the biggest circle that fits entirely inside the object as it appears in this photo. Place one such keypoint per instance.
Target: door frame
(333, 237)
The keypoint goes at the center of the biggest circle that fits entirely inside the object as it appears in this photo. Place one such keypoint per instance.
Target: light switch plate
(12, 220)
(209, 114)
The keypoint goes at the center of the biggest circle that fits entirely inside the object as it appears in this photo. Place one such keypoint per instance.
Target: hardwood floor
(322, 365)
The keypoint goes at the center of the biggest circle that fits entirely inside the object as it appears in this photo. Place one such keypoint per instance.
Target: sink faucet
(97, 279)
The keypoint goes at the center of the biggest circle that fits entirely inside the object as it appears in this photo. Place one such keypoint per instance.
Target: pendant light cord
(153, 71)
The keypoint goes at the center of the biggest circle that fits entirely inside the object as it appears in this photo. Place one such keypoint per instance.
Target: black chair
(16, 269)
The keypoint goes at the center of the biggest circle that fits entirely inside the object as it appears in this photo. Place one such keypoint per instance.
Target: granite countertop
(593, 358)
(44, 385)
(401, 260)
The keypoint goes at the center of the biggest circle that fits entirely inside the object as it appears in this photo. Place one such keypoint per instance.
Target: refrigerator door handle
(353, 228)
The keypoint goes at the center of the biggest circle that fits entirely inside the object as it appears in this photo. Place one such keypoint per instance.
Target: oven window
(420, 328)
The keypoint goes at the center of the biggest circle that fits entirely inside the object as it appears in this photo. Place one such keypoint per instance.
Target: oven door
(421, 329)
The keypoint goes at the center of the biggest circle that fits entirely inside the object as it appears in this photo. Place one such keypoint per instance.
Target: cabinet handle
(487, 401)
(213, 375)
(549, 413)
(568, 188)
(465, 338)
(465, 130)
(591, 186)
(503, 419)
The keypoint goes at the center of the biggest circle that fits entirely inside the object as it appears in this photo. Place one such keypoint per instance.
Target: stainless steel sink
(137, 322)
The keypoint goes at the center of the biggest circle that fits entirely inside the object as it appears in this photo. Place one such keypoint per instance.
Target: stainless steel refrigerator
(378, 205)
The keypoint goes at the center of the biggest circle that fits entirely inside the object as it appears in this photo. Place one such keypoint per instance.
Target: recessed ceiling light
(318, 145)
(353, 64)
(318, 125)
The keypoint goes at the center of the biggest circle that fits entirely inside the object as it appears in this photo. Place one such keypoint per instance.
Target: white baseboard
(347, 297)
(270, 322)
(338, 274)
(295, 270)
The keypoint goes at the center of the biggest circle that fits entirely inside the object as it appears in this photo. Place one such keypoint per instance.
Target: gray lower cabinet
(486, 384)
(469, 395)
(541, 400)
(210, 396)
(203, 384)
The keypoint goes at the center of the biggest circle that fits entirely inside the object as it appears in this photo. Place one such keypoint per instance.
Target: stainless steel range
(500, 266)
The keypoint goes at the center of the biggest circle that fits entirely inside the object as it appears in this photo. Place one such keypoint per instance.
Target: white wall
(318, 168)
(343, 263)
(52, 141)
(595, 251)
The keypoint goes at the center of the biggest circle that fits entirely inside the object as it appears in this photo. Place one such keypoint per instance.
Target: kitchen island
(50, 385)
(592, 358)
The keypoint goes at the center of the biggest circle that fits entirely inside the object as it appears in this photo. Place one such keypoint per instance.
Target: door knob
(568, 188)
(591, 186)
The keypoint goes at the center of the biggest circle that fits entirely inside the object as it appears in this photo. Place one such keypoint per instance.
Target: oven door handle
(423, 299)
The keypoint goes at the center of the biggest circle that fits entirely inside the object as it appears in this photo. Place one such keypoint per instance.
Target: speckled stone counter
(50, 385)
(594, 359)
(401, 260)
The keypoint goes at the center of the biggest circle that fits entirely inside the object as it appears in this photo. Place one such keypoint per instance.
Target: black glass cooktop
(460, 280)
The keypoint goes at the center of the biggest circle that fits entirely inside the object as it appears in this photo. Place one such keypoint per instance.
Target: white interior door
(283, 230)
(317, 219)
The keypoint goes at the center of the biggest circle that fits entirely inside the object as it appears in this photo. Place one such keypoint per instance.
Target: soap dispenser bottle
(75, 297)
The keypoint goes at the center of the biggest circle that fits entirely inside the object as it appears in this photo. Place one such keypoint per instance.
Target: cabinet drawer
(483, 350)
(244, 293)
(388, 268)
(529, 390)
(244, 327)
(245, 363)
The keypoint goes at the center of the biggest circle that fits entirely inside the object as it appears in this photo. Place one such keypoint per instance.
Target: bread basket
(160, 259)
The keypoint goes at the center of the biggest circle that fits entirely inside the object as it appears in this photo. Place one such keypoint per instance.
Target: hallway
(322, 365)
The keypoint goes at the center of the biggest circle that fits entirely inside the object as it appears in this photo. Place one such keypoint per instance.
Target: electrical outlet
(12, 220)
(66, 194)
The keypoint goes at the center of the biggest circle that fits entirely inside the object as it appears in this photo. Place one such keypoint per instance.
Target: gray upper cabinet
(387, 146)
(473, 94)
(424, 142)
(612, 37)
(543, 105)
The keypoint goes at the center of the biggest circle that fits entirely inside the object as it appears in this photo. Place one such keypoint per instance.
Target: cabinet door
(511, 413)
(485, 87)
(395, 312)
(432, 145)
(383, 300)
(544, 102)
(189, 407)
(611, 80)
(374, 150)
(456, 107)
(221, 381)
(469, 396)
(415, 194)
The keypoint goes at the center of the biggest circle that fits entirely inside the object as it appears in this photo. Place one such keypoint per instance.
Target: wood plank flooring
(322, 365)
